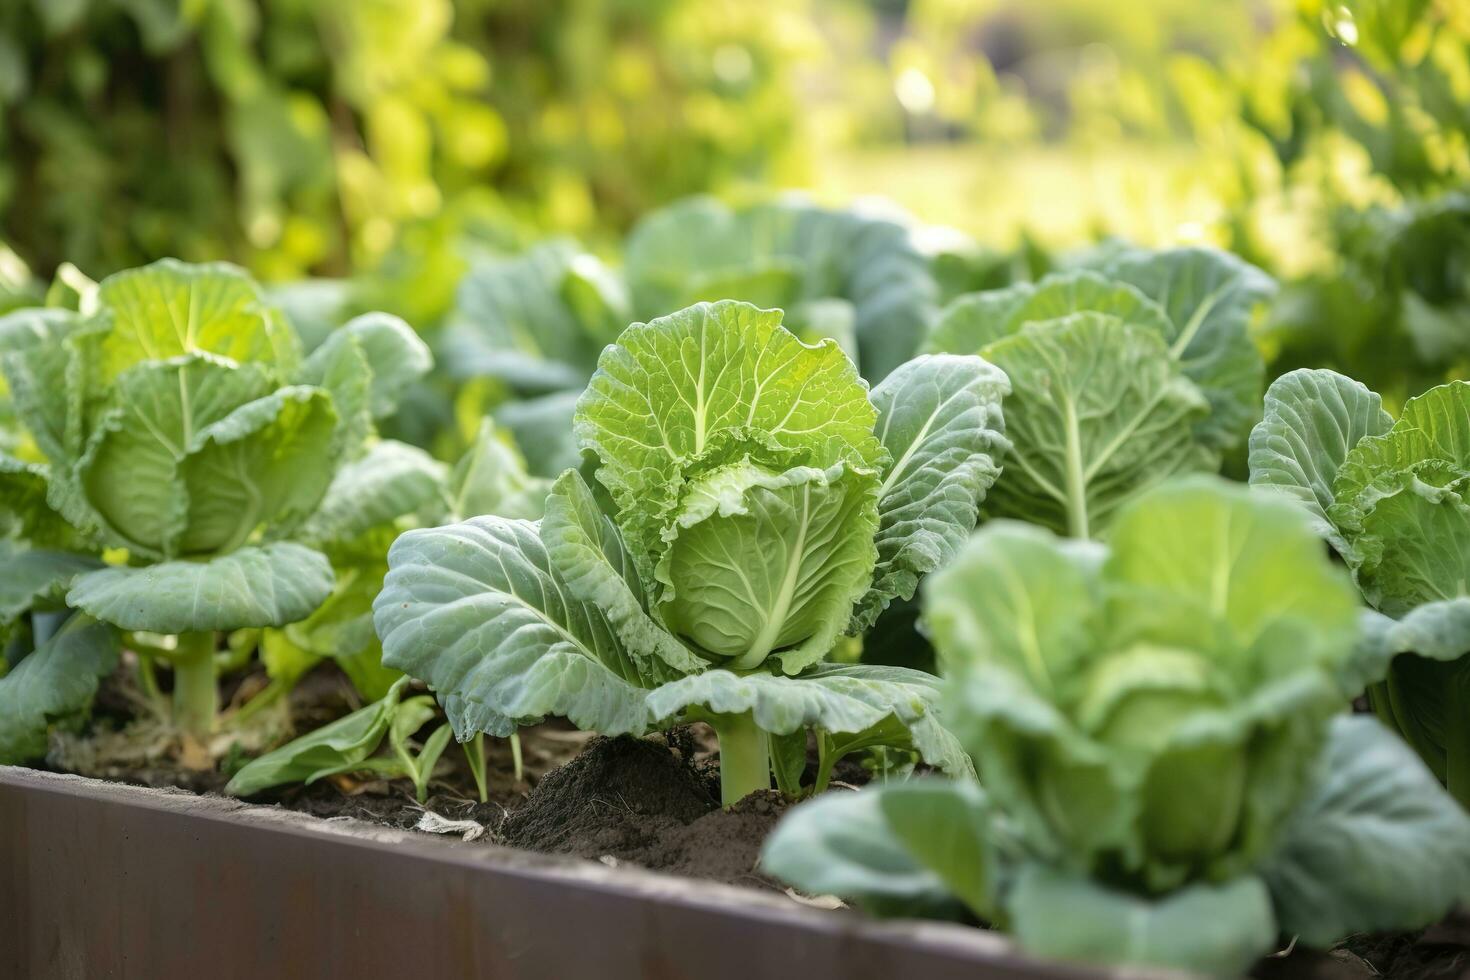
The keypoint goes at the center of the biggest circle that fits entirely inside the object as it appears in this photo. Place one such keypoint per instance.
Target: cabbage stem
(745, 757)
(196, 691)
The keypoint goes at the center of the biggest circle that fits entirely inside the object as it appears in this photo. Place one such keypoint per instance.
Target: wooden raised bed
(105, 880)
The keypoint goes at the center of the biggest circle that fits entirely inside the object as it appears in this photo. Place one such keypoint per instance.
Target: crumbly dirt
(1441, 952)
(648, 802)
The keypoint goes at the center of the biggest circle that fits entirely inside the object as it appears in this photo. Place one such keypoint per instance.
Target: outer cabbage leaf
(1423, 661)
(974, 321)
(1312, 421)
(939, 417)
(270, 585)
(1210, 296)
(479, 612)
(587, 551)
(491, 478)
(1238, 577)
(835, 698)
(29, 577)
(391, 481)
(788, 251)
(841, 844)
(395, 355)
(171, 308)
(55, 682)
(1098, 413)
(37, 360)
(758, 563)
(723, 377)
(1377, 844)
(542, 428)
(1213, 929)
(25, 508)
(531, 321)
(948, 827)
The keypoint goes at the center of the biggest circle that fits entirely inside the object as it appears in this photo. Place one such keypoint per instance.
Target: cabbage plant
(1124, 375)
(1393, 499)
(750, 503)
(180, 433)
(1164, 781)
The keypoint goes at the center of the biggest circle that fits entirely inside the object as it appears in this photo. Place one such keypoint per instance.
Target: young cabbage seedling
(1123, 376)
(349, 745)
(1165, 783)
(183, 431)
(1393, 499)
(753, 504)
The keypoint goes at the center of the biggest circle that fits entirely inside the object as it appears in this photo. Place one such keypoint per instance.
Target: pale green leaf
(715, 378)
(340, 744)
(394, 354)
(836, 698)
(29, 577)
(1211, 297)
(1312, 421)
(156, 412)
(491, 478)
(268, 463)
(1213, 929)
(1017, 595)
(55, 682)
(947, 826)
(171, 308)
(841, 844)
(270, 585)
(478, 611)
(393, 480)
(587, 552)
(1233, 573)
(939, 417)
(1377, 845)
(761, 564)
(1098, 413)
(513, 321)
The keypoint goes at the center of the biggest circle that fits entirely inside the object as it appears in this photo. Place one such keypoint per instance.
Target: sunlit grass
(1062, 195)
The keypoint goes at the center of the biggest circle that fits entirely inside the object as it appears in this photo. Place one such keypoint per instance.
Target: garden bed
(624, 846)
(101, 879)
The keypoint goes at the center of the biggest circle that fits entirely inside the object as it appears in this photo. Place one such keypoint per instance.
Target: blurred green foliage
(1327, 141)
(316, 135)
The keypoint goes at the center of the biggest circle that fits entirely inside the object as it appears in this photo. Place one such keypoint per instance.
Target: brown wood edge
(101, 879)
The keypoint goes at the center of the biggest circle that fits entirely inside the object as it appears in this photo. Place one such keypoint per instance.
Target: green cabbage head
(1148, 711)
(1392, 496)
(178, 417)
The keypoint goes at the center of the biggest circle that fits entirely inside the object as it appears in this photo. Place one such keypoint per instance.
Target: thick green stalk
(196, 689)
(745, 757)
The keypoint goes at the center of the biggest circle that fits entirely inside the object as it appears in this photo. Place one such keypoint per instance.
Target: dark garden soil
(1441, 952)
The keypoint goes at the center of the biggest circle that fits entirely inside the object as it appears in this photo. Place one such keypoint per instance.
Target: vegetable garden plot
(1122, 734)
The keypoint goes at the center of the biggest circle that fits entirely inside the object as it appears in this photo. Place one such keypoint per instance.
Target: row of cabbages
(1149, 667)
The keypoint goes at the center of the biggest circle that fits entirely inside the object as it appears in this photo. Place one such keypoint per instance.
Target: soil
(648, 802)
(1441, 952)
